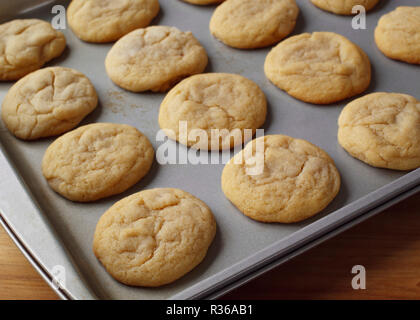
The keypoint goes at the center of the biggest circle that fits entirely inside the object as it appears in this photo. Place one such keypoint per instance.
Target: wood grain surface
(387, 245)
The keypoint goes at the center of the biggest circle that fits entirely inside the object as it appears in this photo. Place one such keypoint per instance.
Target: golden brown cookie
(109, 20)
(226, 102)
(297, 180)
(26, 45)
(383, 130)
(398, 34)
(248, 24)
(320, 68)
(154, 58)
(344, 7)
(96, 161)
(48, 102)
(154, 237)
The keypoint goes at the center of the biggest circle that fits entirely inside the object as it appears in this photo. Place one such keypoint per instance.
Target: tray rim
(314, 243)
(75, 288)
(302, 237)
(32, 260)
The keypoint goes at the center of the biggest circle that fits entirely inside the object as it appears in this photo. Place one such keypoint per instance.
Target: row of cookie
(24, 53)
(27, 44)
(267, 21)
(248, 24)
(54, 100)
(156, 236)
(342, 7)
(381, 129)
(320, 68)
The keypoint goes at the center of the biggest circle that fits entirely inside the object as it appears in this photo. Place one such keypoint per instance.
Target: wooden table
(387, 245)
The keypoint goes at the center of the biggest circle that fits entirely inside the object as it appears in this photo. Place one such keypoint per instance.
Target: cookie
(109, 20)
(154, 237)
(96, 161)
(26, 45)
(204, 2)
(320, 68)
(248, 24)
(297, 181)
(48, 102)
(398, 34)
(154, 58)
(344, 7)
(227, 102)
(382, 130)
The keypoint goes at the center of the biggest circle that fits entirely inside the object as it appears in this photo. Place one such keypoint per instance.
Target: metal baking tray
(56, 234)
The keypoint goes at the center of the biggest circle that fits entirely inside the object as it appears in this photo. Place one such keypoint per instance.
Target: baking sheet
(241, 244)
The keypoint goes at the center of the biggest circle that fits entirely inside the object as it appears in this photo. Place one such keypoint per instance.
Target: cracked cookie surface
(109, 20)
(154, 237)
(344, 7)
(383, 130)
(213, 101)
(154, 58)
(397, 34)
(298, 180)
(48, 102)
(26, 45)
(320, 68)
(248, 24)
(96, 161)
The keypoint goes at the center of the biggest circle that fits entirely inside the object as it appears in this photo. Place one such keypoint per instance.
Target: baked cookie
(26, 45)
(297, 180)
(97, 161)
(109, 20)
(248, 24)
(320, 68)
(227, 102)
(204, 2)
(383, 130)
(398, 34)
(344, 7)
(154, 237)
(48, 102)
(154, 58)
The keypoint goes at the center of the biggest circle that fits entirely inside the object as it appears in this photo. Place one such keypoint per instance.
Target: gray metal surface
(55, 231)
